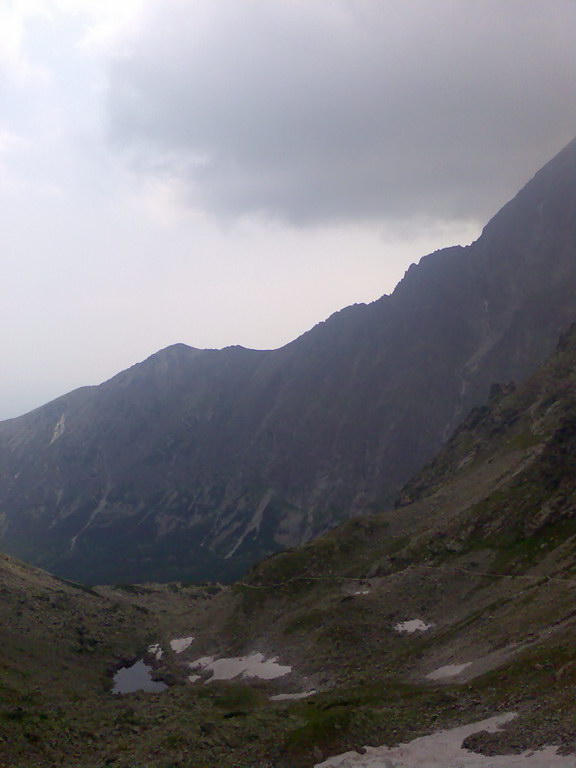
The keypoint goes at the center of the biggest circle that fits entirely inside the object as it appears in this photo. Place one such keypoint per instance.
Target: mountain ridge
(271, 447)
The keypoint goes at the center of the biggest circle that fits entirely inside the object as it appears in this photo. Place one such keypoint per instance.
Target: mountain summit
(195, 463)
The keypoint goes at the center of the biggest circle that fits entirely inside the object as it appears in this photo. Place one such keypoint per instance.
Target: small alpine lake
(137, 677)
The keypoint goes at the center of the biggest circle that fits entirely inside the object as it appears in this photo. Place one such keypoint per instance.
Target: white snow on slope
(450, 670)
(58, 429)
(180, 644)
(444, 750)
(253, 665)
(156, 650)
(291, 696)
(414, 625)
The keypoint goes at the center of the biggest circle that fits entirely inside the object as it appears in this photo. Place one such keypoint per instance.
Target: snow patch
(58, 429)
(414, 625)
(450, 670)
(291, 696)
(253, 665)
(444, 750)
(180, 644)
(156, 650)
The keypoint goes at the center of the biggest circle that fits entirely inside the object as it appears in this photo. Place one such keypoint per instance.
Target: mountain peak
(176, 349)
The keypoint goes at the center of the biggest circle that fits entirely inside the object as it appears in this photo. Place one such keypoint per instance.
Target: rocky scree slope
(196, 463)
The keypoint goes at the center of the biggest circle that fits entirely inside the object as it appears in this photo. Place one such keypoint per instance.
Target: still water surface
(136, 678)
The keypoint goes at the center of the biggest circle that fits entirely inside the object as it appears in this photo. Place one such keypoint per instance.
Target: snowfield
(253, 665)
(444, 750)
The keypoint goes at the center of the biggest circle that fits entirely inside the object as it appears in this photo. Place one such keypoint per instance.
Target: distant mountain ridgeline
(196, 463)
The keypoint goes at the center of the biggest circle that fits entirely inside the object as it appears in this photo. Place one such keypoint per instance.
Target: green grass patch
(524, 440)
(305, 621)
(233, 697)
(534, 674)
(521, 554)
(321, 727)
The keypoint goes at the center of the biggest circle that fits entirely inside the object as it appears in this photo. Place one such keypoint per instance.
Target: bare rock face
(196, 463)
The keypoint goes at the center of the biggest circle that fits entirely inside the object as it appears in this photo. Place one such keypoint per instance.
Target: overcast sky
(221, 172)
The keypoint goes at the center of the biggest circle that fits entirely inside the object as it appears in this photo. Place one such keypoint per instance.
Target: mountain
(196, 463)
(452, 607)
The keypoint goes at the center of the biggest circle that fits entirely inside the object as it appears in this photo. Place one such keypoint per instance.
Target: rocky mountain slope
(456, 605)
(453, 607)
(193, 464)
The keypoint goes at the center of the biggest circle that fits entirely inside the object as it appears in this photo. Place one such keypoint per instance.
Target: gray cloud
(338, 110)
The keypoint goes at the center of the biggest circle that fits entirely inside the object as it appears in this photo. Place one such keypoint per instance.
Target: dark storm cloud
(323, 110)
